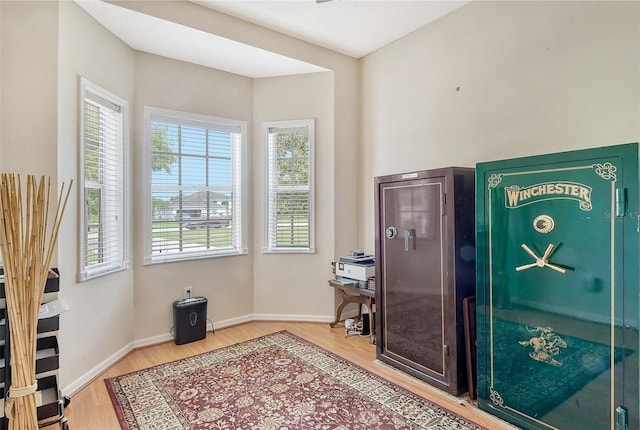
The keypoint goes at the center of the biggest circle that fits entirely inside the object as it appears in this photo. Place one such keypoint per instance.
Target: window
(290, 201)
(102, 182)
(195, 171)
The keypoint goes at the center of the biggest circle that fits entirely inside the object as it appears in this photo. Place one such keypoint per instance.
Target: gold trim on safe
(442, 271)
(607, 172)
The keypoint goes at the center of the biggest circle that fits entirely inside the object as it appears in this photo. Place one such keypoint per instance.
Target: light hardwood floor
(91, 408)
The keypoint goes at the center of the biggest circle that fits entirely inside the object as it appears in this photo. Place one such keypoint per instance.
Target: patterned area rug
(274, 382)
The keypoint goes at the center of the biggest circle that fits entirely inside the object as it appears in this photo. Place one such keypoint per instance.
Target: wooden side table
(349, 293)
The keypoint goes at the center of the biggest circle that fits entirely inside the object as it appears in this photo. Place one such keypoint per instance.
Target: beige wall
(227, 282)
(29, 88)
(284, 284)
(495, 80)
(101, 318)
(1, 75)
(42, 59)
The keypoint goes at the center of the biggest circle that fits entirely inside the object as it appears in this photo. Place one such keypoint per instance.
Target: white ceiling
(351, 27)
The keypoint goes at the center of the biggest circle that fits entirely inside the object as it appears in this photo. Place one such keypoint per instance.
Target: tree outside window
(290, 186)
(195, 186)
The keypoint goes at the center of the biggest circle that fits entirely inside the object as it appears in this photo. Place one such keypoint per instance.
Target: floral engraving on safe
(496, 398)
(495, 179)
(546, 345)
(517, 196)
(606, 171)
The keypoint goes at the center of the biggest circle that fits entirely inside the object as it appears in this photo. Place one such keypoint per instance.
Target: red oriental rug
(279, 381)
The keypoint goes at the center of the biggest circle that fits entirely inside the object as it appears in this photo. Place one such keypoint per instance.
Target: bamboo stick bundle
(27, 245)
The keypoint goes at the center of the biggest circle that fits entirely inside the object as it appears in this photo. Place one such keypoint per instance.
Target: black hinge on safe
(621, 418)
(621, 202)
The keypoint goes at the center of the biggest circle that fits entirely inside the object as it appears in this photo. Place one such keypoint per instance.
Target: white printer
(356, 266)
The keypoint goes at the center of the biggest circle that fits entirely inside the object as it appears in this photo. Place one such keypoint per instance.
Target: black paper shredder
(190, 319)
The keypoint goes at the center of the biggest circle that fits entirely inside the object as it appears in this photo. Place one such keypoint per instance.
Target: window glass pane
(194, 209)
(220, 173)
(290, 188)
(91, 136)
(164, 177)
(102, 182)
(193, 141)
(164, 161)
(94, 232)
(193, 171)
(220, 144)
(292, 221)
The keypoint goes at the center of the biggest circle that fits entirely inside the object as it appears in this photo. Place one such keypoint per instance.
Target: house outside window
(195, 192)
(102, 182)
(290, 184)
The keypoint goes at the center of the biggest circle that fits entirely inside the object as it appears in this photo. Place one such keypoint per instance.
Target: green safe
(557, 289)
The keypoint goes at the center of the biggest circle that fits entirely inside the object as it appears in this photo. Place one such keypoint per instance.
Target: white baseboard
(76, 385)
(154, 340)
(230, 322)
(79, 383)
(293, 317)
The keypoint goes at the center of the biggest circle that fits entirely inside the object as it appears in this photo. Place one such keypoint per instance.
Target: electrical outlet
(187, 292)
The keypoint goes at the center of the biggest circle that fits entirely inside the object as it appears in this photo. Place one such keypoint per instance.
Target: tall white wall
(277, 282)
(495, 80)
(1, 74)
(100, 322)
(29, 88)
(42, 59)
(227, 282)
(284, 284)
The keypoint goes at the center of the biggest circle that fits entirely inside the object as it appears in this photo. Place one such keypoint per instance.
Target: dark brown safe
(425, 267)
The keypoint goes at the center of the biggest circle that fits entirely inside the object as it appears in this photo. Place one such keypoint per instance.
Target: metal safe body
(425, 266)
(557, 293)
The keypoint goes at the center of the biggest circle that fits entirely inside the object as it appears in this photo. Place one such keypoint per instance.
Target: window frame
(270, 246)
(119, 260)
(240, 162)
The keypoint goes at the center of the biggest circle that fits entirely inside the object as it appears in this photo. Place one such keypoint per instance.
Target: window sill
(171, 258)
(98, 272)
(267, 250)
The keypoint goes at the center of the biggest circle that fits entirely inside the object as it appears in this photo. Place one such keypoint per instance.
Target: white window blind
(196, 185)
(290, 200)
(102, 182)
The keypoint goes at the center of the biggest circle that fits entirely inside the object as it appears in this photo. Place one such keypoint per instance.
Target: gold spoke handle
(525, 267)
(530, 252)
(556, 268)
(547, 253)
(540, 261)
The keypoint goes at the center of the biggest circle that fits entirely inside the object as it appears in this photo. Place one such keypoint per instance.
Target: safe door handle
(409, 233)
(540, 261)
